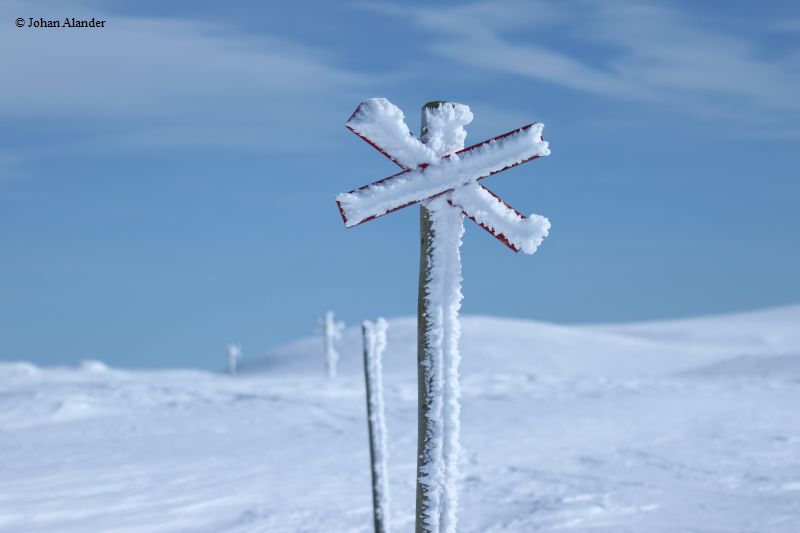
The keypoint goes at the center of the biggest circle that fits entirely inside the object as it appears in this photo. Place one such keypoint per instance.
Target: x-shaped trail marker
(425, 175)
(439, 172)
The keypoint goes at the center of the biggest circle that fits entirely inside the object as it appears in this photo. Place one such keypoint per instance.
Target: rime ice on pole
(446, 134)
(374, 346)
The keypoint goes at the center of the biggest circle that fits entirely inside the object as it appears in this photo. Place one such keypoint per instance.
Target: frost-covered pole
(444, 177)
(234, 351)
(374, 344)
(331, 332)
(438, 332)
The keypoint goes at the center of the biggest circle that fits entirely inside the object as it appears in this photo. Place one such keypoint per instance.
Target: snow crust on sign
(375, 340)
(383, 124)
(442, 175)
(524, 233)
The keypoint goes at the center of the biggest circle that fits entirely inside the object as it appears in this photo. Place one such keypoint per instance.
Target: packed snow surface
(660, 427)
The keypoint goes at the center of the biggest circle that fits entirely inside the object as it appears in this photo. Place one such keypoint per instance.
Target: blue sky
(167, 182)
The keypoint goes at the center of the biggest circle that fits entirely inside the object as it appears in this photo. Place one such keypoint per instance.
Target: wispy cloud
(788, 25)
(163, 82)
(633, 51)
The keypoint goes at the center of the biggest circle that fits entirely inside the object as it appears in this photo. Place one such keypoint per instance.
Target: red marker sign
(425, 176)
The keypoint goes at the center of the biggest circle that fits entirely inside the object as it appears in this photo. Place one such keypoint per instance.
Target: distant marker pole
(331, 331)
(374, 334)
(233, 351)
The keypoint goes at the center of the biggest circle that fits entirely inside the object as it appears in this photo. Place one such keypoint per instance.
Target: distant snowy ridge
(500, 345)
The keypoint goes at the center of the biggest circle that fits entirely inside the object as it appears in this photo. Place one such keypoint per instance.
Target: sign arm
(378, 148)
(494, 215)
(382, 125)
(448, 173)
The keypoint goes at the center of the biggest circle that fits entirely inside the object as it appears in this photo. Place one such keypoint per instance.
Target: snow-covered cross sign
(440, 166)
(441, 175)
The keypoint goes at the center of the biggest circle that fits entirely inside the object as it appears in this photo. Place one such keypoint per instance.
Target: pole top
(435, 103)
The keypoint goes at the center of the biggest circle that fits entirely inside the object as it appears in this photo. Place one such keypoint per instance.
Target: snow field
(658, 427)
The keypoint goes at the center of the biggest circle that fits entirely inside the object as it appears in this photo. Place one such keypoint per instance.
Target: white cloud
(625, 50)
(149, 81)
(669, 52)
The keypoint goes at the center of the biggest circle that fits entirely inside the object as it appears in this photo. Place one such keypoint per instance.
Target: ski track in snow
(661, 427)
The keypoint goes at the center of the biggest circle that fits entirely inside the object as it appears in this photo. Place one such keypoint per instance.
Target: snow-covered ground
(689, 425)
